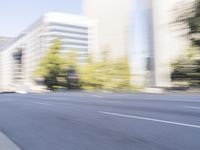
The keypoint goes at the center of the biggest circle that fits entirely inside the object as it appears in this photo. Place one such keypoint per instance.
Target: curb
(6, 143)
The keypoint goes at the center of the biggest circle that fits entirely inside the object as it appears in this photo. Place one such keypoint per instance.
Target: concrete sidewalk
(7, 144)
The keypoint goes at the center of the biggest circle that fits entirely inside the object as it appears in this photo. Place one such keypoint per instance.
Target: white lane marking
(170, 100)
(192, 107)
(97, 96)
(39, 103)
(151, 119)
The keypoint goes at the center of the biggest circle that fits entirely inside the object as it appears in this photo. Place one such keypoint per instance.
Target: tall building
(4, 41)
(114, 18)
(141, 30)
(20, 58)
(168, 40)
(113, 24)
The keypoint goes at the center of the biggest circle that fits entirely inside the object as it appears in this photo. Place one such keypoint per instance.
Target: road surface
(97, 121)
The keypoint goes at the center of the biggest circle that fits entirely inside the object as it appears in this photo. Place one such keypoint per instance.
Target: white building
(168, 40)
(4, 41)
(125, 26)
(20, 58)
(113, 24)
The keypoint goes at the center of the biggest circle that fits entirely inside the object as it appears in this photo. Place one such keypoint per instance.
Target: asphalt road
(94, 121)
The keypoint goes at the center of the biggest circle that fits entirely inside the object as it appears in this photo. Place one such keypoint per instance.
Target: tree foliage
(54, 66)
(50, 66)
(187, 69)
(106, 75)
(62, 70)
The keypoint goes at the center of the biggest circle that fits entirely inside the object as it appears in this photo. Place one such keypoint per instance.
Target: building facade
(4, 41)
(20, 58)
(141, 30)
(113, 18)
(169, 41)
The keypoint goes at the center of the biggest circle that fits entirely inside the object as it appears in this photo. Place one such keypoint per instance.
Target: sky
(17, 15)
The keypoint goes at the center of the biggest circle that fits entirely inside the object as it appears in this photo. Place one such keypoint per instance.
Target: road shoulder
(6, 143)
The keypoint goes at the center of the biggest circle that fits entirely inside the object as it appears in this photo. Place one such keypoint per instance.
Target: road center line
(97, 96)
(39, 103)
(151, 119)
(193, 107)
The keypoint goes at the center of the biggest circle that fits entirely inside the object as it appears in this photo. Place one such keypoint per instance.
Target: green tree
(88, 75)
(51, 65)
(71, 68)
(121, 75)
(106, 74)
(191, 18)
(187, 69)
(69, 60)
